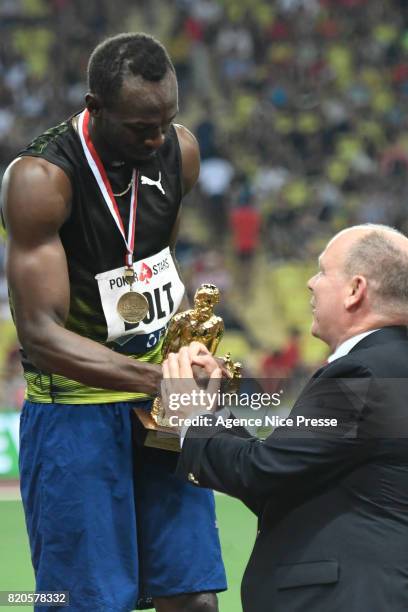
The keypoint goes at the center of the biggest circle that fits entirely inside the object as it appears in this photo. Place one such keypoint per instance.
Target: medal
(132, 307)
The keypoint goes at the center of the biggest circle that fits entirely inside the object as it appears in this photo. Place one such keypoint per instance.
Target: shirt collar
(345, 347)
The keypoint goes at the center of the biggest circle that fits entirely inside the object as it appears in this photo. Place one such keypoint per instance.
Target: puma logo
(148, 181)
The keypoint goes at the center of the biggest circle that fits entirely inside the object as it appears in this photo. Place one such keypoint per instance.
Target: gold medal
(132, 307)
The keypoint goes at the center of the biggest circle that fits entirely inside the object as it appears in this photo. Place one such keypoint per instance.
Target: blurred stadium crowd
(299, 109)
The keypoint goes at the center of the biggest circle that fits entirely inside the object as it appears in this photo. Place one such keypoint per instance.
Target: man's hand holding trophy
(198, 332)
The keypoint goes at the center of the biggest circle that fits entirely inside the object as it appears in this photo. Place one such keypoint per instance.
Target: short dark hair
(134, 53)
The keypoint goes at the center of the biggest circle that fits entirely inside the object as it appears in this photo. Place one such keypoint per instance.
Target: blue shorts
(107, 519)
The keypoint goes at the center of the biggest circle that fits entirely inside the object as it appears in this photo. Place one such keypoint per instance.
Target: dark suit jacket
(332, 506)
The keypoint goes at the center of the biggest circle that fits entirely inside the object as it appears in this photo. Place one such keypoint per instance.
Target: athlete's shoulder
(190, 156)
(58, 145)
(46, 139)
(35, 190)
(32, 171)
(185, 137)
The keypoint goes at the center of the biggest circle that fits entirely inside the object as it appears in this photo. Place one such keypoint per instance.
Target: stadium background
(299, 108)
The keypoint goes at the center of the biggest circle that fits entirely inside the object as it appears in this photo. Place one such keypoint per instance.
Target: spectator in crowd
(245, 222)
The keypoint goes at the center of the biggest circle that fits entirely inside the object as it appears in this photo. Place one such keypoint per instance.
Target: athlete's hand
(200, 356)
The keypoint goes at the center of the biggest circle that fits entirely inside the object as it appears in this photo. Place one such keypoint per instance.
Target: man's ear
(93, 104)
(357, 290)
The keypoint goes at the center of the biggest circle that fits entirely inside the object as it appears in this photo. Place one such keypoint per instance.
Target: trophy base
(157, 435)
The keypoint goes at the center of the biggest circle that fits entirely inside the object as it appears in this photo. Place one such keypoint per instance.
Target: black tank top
(93, 244)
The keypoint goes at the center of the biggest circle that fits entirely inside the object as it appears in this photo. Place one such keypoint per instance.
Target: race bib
(156, 277)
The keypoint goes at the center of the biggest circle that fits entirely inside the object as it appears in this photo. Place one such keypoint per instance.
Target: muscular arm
(36, 203)
(190, 159)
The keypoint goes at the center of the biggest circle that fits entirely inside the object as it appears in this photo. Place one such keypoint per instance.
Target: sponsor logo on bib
(145, 273)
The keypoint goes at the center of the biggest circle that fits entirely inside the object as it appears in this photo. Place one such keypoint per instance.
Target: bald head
(356, 233)
(362, 283)
(380, 254)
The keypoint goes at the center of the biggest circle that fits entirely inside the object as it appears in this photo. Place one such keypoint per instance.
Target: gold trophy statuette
(196, 324)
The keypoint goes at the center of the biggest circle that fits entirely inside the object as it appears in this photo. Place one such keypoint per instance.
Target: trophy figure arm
(218, 336)
(173, 339)
(170, 336)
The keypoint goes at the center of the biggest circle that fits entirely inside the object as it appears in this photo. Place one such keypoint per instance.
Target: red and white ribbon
(98, 170)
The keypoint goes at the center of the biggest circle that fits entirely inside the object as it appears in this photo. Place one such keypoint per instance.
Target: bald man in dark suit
(332, 503)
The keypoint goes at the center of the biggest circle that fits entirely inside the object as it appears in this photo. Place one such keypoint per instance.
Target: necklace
(124, 192)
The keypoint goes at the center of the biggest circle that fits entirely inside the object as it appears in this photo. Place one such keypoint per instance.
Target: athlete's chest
(93, 228)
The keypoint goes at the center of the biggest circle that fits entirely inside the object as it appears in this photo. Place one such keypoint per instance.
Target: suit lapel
(382, 336)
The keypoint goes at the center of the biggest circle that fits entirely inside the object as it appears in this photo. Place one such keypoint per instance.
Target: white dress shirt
(345, 347)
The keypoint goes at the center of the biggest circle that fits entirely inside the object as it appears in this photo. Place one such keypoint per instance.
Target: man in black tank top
(91, 210)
